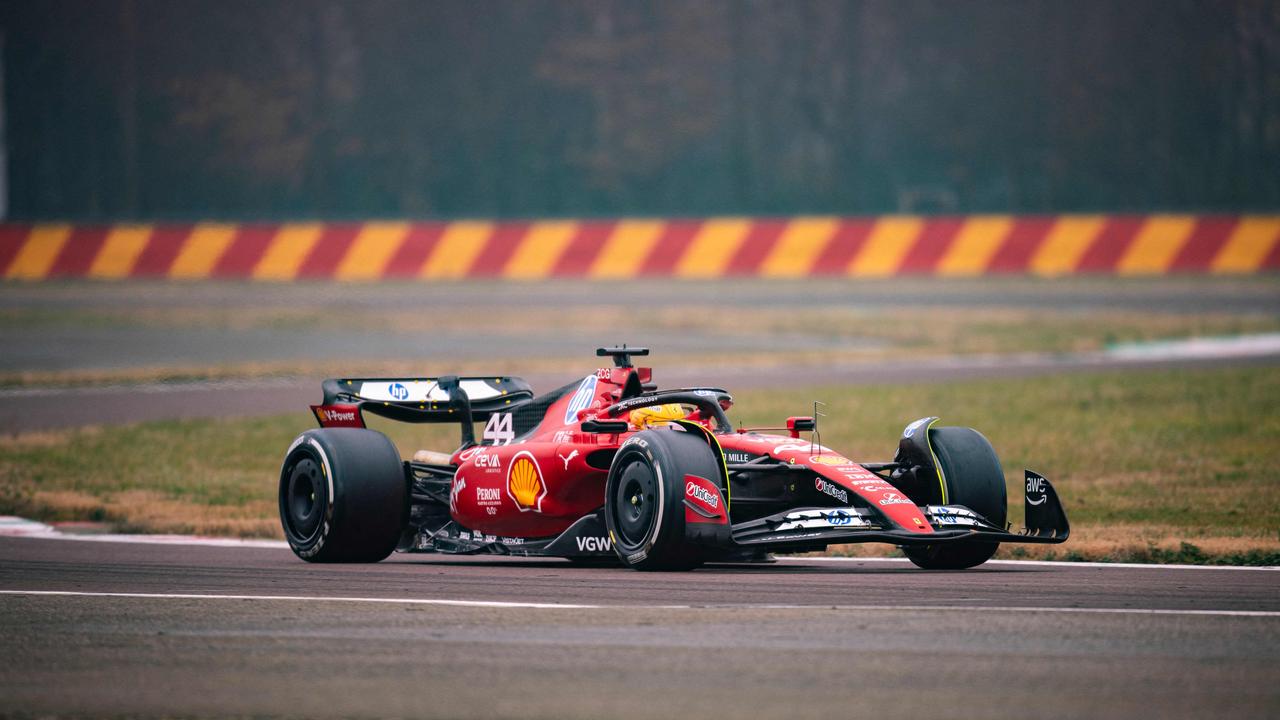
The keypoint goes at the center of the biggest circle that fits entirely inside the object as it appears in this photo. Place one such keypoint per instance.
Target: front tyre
(973, 478)
(343, 495)
(644, 498)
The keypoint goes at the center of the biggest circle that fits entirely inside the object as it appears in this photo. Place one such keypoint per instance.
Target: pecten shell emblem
(524, 483)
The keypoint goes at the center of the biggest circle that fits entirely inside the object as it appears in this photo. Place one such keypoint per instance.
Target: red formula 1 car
(609, 466)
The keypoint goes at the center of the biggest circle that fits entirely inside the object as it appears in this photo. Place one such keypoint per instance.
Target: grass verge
(1174, 466)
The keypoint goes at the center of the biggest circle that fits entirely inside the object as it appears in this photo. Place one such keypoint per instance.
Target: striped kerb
(609, 249)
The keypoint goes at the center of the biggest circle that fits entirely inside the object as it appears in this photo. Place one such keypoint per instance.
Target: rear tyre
(644, 498)
(343, 495)
(974, 479)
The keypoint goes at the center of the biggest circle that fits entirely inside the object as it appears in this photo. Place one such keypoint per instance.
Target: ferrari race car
(609, 467)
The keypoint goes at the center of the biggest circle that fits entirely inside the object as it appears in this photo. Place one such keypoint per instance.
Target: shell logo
(830, 460)
(524, 483)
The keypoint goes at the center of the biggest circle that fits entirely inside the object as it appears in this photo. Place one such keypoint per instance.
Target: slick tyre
(644, 498)
(973, 478)
(343, 495)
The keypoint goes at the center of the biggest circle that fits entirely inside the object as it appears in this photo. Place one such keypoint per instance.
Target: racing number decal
(499, 429)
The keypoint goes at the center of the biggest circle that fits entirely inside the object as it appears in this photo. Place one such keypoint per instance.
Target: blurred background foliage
(251, 109)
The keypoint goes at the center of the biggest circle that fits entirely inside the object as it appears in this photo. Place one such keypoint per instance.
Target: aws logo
(524, 482)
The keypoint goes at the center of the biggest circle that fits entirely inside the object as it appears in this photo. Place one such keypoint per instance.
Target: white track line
(1045, 563)
(708, 606)
(306, 598)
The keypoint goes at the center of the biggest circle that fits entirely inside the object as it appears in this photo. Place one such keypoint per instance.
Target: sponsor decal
(738, 456)
(1035, 486)
(328, 415)
(459, 484)
(499, 429)
(524, 482)
(604, 373)
(704, 393)
(594, 544)
(913, 427)
(818, 519)
(918, 521)
(562, 436)
(840, 517)
(398, 391)
(894, 499)
(636, 441)
(832, 489)
(803, 448)
(581, 399)
(954, 520)
(511, 541)
(567, 458)
(489, 461)
(695, 491)
(829, 460)
(466, 455)
(488, 496)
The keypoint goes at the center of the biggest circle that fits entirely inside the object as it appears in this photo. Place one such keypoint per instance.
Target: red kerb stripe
(760, 239)
(1112, 241)
(670, 247)
(414, 251)
(1021, 244)
(78, 254)
(850, 236)
(583, 249)
(161, 250)
(12, 237)
(501, 246)
(244, 252)
(935, 238)
(1210, 234)
(327, 253)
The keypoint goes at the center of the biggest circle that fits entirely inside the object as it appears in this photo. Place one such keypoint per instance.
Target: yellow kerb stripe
(201, 251)
(120, 251)
(459, 245)
(1248, 245)
(978, 241)
(372, 249)
(39, 252)
(1156, 245)
(799, 246)
(537, 252)
(1065, 244)
(626, 249)
(886, 246)
(712, 248)
(286, 251)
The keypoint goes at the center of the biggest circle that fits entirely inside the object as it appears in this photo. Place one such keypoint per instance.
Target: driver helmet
(656, 415)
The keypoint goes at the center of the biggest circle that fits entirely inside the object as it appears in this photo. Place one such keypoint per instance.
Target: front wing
(1046, 522)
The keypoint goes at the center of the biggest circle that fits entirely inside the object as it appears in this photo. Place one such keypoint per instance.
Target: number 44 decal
(499, 429)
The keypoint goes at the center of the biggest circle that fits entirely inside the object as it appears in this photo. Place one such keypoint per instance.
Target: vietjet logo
(524, 483)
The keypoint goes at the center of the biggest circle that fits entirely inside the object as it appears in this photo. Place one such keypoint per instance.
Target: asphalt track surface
(162, 630)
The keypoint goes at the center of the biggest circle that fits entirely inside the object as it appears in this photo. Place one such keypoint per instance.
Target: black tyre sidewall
(974, 479)
(365, 494)
(671, 454)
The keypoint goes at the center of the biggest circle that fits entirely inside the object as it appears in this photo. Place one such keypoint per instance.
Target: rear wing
(447, 398)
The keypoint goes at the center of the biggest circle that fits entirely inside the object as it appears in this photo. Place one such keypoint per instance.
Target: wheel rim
(635, 503)
(304, 498)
